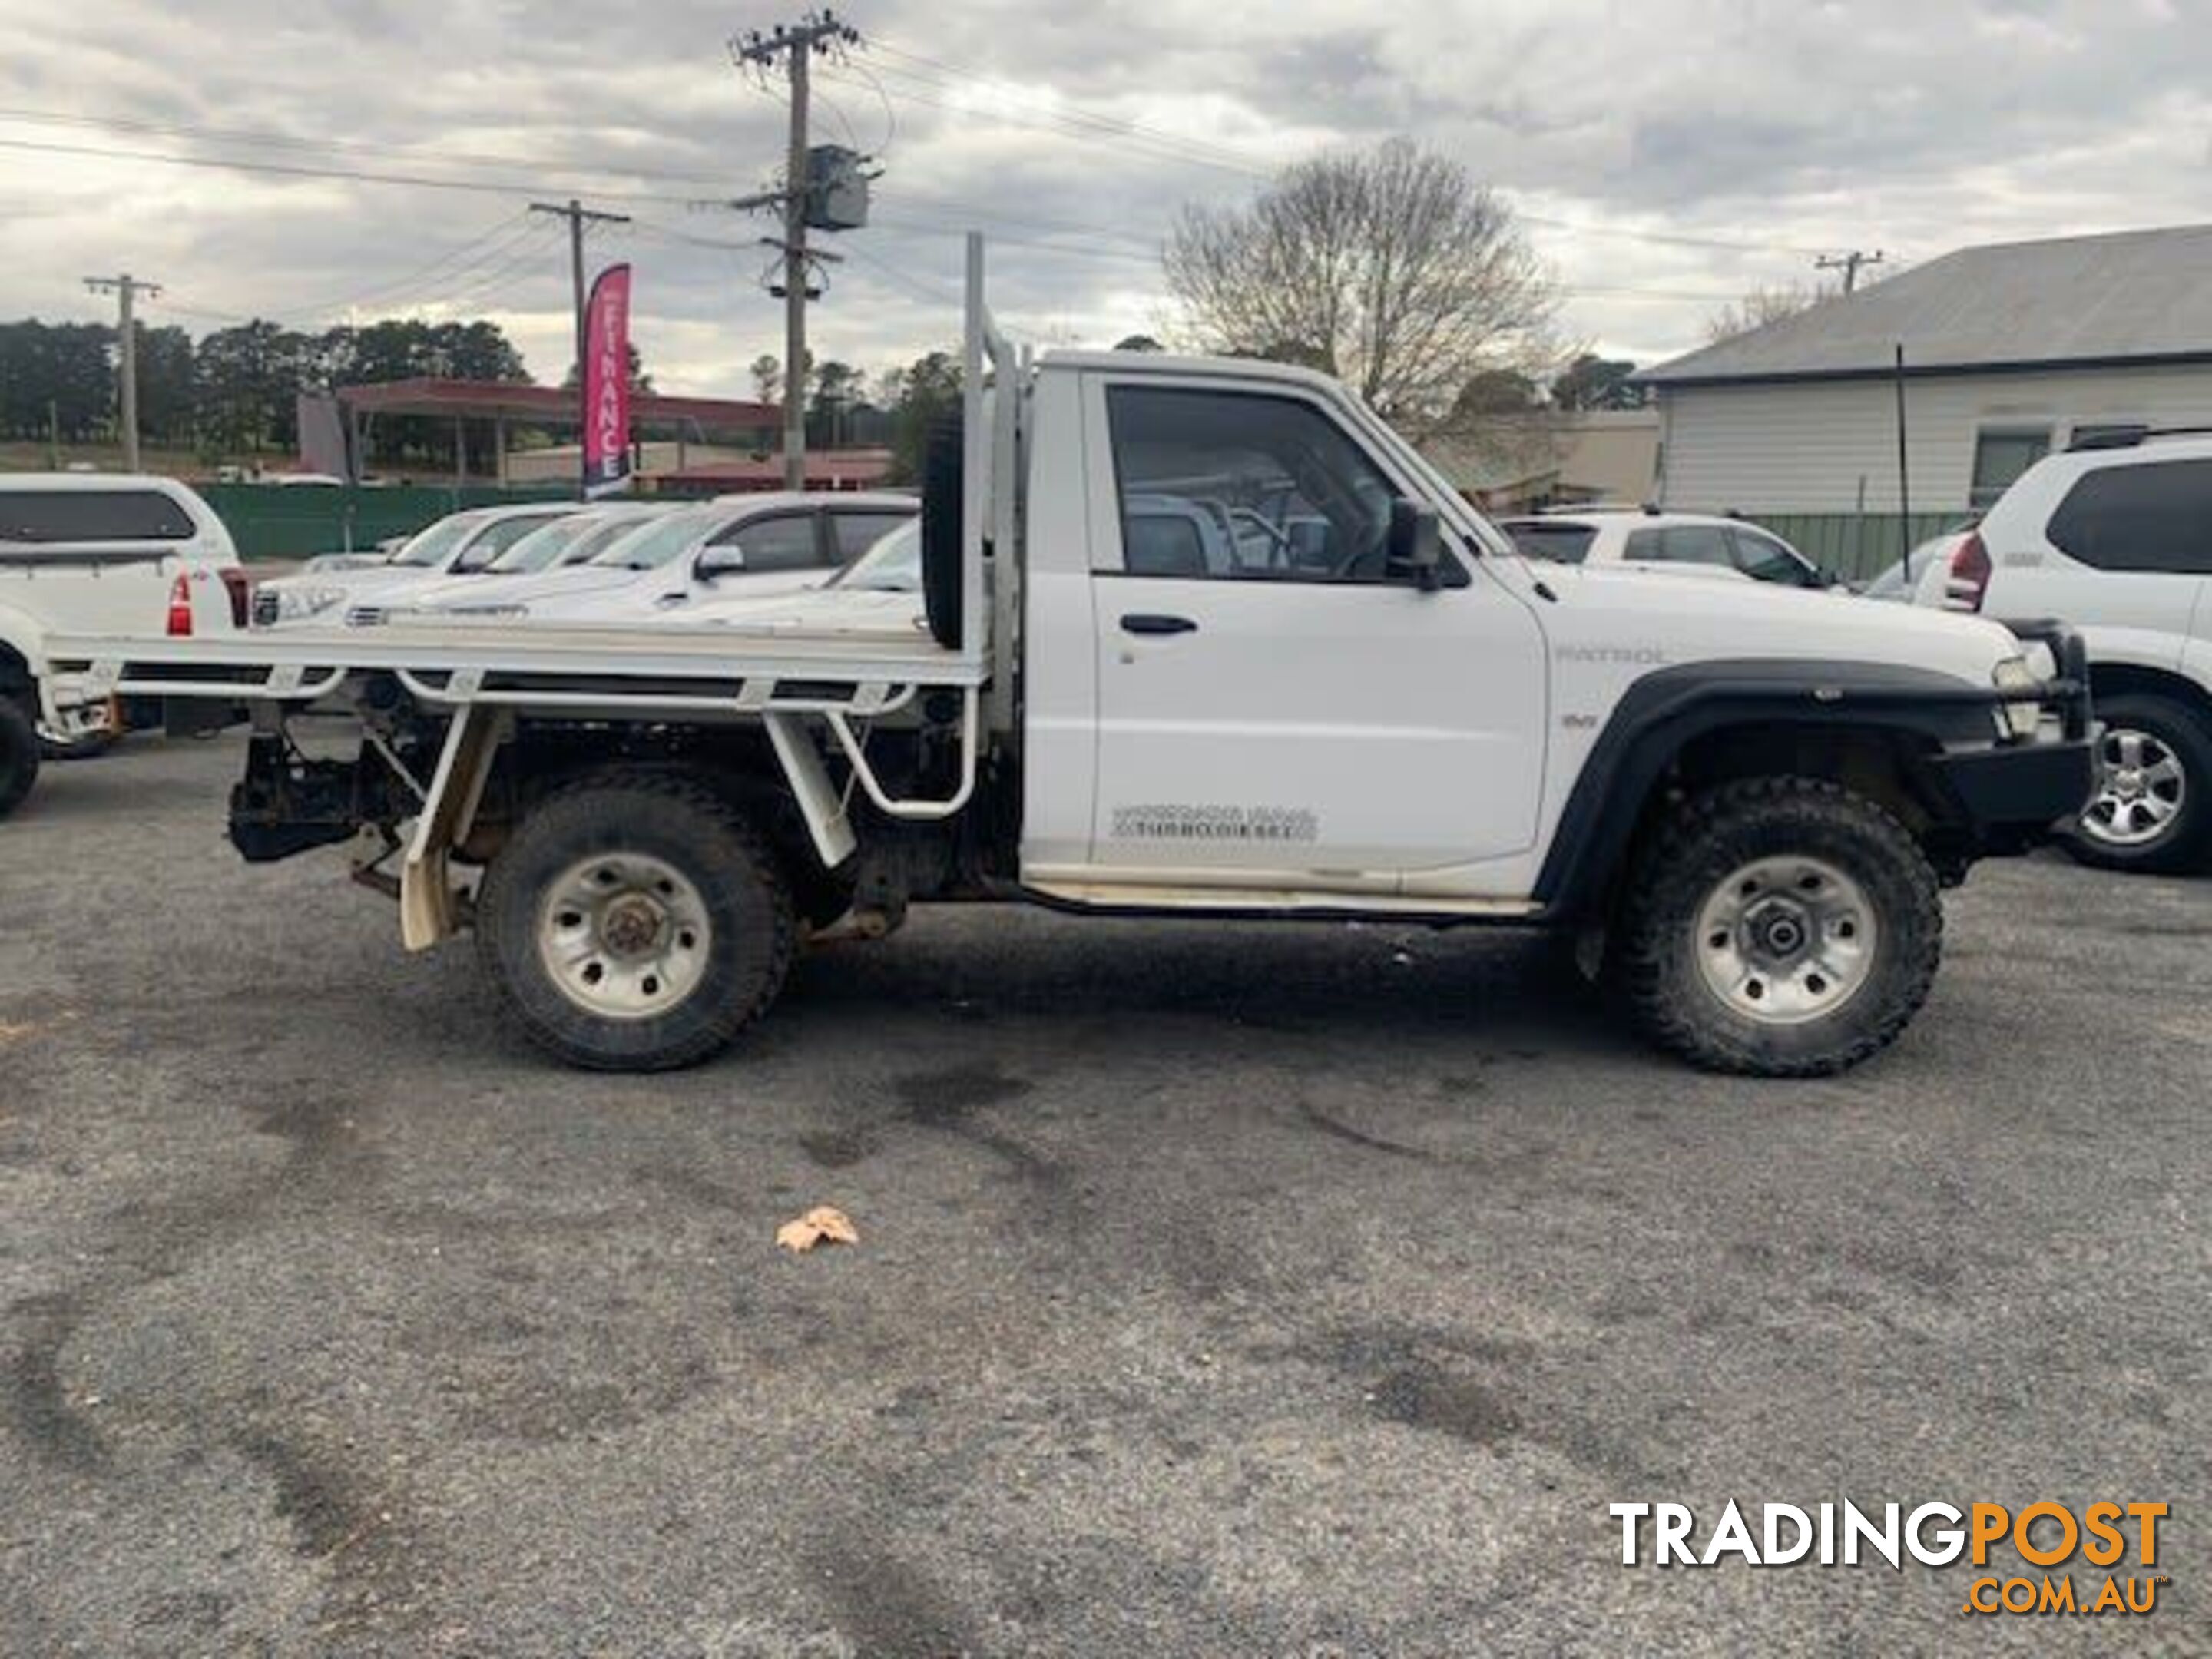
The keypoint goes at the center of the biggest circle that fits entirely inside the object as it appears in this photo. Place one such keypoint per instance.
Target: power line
(484, 187)
(931, 71)
(334, 146)
(1068, 122)
(450, 267)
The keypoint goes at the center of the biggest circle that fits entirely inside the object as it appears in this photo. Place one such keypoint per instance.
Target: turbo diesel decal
(1186, 823)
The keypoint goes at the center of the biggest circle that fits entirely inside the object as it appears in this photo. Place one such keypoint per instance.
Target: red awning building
(739, 424)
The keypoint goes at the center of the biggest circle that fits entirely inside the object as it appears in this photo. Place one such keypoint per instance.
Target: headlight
(298, 603)
(2017, 720)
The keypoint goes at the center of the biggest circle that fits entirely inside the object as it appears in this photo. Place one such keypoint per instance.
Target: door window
(2154, 516)
(92, 515)
(1244, 486)
(2001, 455)
(788, 543)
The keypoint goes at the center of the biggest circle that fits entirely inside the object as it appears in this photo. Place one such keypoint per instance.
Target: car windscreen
(429, 547)
(487, 544)
(652, 545)
(42, 516)
(891, 565)
(1562, 543)
(1891, 582)
(543, 547)
(604, 534)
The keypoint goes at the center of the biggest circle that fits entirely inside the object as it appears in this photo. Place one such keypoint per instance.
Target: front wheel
(2151, 808)
(1780, 927)
(635, 922)
(19, 753)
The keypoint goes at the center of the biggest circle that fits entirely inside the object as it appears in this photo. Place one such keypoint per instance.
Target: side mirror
(715, 562)
(1416, 545)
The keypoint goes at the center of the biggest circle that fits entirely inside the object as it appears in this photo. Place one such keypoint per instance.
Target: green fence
(1855, 545)
(295, 522)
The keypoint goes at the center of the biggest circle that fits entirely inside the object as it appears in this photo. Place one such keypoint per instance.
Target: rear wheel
(1779, 927)
(19, 752)
(2151, 808)
(635, 922)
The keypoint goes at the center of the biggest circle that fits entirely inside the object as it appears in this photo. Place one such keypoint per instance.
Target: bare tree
(1763, 306)
(1392, 270)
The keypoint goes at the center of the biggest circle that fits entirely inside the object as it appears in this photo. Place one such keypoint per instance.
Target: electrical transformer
(837, 188)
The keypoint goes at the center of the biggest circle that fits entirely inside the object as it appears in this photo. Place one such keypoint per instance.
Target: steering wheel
(1375, 546)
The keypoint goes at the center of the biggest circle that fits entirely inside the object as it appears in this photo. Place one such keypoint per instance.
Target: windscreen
(662, 541)
(892, 565)
(544, 547)
(429, 547)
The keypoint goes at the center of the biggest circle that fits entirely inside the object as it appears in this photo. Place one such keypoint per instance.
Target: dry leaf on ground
(817, 1224)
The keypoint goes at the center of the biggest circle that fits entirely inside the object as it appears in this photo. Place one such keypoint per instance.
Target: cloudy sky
(1666, 154)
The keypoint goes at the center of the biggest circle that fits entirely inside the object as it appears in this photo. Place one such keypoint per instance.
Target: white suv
(1694, 544)
(2115, 536)
(97, 552)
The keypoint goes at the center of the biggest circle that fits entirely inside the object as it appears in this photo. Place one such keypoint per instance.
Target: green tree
(919, 396)
(167, 386)
(1595, 382)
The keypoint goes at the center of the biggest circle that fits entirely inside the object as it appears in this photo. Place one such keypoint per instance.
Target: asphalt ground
(1234, 1289)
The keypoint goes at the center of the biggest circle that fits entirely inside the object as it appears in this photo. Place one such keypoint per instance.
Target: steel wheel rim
(1786, 939)
(624, 935)
(2140, 788)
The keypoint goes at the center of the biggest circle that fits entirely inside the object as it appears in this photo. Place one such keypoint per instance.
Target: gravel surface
(1237, 1290)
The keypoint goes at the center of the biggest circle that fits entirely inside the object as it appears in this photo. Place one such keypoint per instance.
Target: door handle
(1138, 621)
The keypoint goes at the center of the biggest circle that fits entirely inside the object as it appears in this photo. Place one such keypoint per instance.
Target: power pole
(1849, 264)
(125, 288)
(796, 44)
(578, 215)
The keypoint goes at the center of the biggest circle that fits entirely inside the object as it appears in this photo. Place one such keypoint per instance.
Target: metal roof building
(2138, 298)
(2010, 350)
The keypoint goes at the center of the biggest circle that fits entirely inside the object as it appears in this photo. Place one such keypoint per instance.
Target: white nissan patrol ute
(1741, 801)
(86, 552)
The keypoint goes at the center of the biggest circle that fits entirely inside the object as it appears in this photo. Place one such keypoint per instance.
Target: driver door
(1272, 708)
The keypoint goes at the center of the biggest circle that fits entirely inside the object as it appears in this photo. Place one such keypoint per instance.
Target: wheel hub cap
(624, 935)
(2140, 789)
(1783, 940)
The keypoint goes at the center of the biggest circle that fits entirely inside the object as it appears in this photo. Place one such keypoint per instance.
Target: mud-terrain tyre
(2150, 809)
(943, 494)
(1779, 927)
(635, 921)
(19, 752)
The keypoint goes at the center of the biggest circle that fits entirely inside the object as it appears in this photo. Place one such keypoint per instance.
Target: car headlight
(298, 603)
(2017, 720)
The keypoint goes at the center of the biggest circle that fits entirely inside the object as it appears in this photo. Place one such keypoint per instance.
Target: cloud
(1071, 134)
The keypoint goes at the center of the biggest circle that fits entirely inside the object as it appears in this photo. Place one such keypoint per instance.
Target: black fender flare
(1668, 710)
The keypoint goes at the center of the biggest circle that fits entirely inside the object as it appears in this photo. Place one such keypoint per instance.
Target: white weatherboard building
(2010, 351)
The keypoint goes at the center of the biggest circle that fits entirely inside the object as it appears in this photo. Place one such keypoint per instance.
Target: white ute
(1741, 801)
(91, 552)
